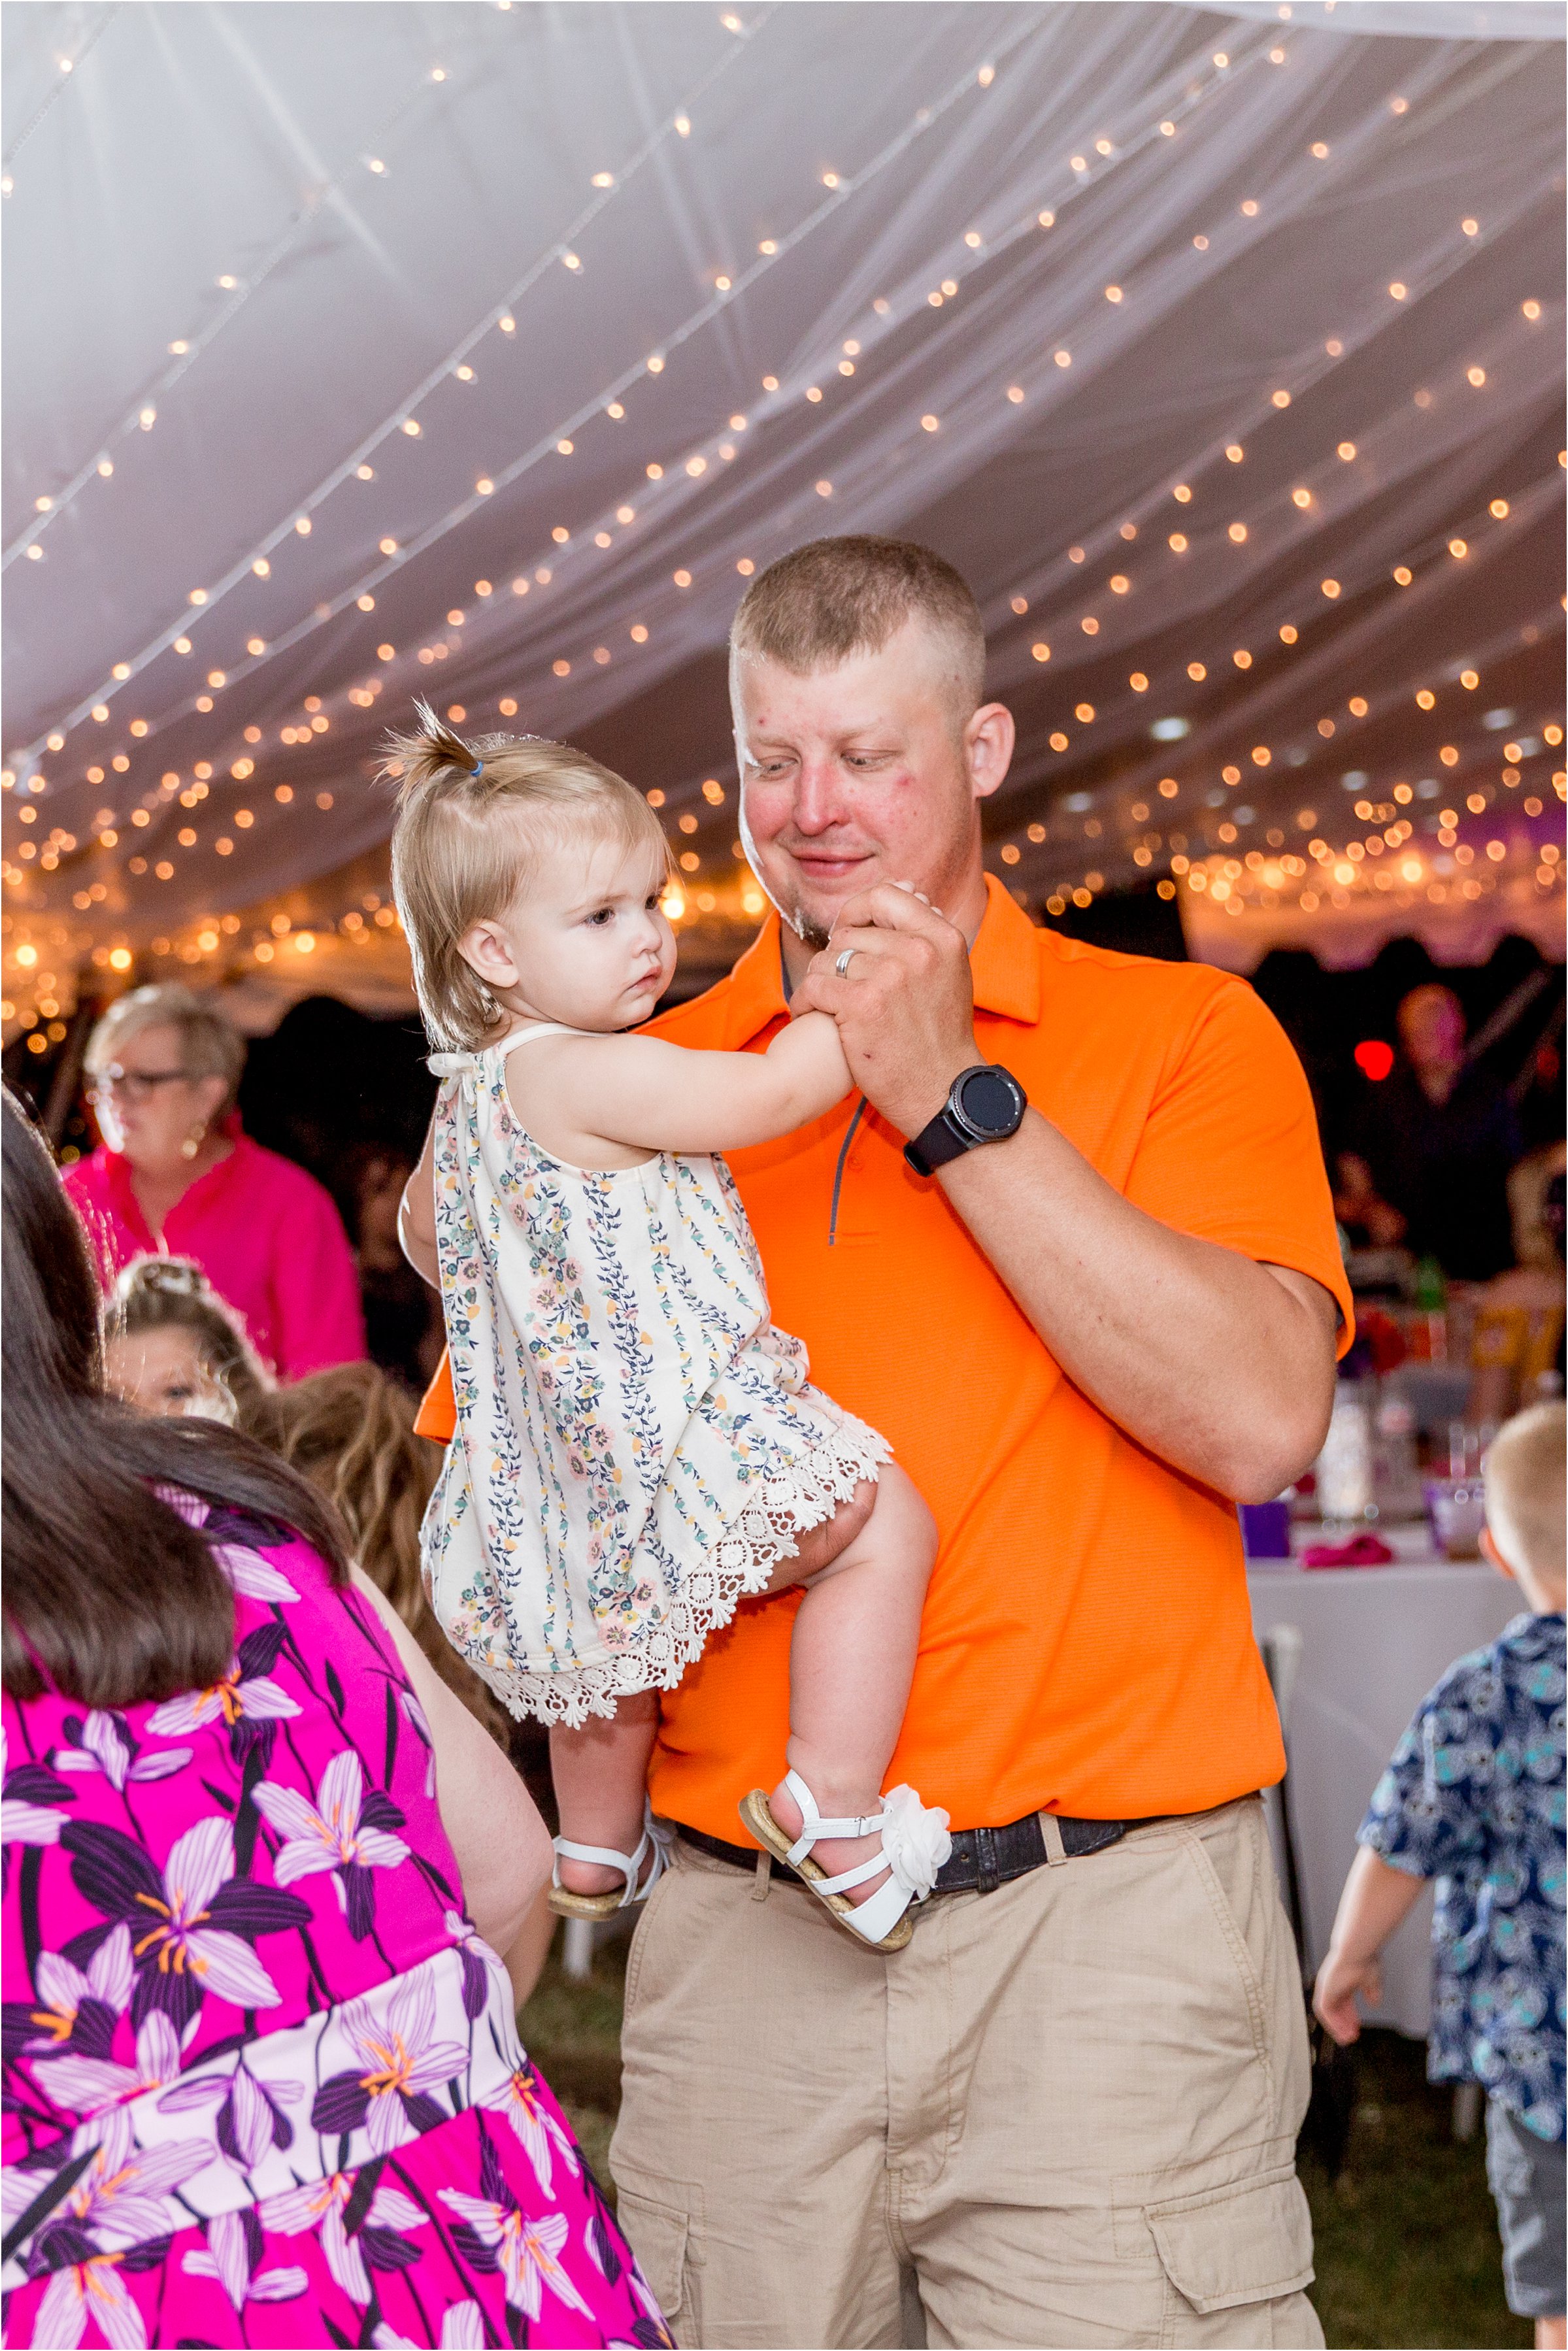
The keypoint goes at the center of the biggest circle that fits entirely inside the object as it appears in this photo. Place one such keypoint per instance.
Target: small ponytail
(419, 759)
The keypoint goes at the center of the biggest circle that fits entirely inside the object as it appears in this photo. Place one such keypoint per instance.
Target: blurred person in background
(1430, 1147)
(259, 1865)
(402, 1315)
(173, 1347)
(350, 1431)
(176, 1173)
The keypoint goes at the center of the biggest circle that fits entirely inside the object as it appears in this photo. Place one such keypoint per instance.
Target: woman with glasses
(175, 1175)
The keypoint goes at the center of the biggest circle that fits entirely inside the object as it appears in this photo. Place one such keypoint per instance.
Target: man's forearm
(1217, 1364)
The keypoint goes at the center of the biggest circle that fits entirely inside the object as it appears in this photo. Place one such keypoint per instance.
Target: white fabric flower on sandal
(915, 1840)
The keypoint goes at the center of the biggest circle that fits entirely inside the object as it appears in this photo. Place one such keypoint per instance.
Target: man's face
(866, 773)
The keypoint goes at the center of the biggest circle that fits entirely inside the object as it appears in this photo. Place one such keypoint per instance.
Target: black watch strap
(953, 1131)
(936, 1143)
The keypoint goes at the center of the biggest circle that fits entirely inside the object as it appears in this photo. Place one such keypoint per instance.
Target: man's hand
(1221, 1366)
(906, 1008)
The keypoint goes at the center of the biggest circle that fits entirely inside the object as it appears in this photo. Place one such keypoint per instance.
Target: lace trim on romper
(733, 1487)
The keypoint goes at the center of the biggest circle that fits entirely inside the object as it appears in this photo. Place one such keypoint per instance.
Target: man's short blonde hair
(210, 1045)
(1527, 1491)
(835, 597)
(473, 819)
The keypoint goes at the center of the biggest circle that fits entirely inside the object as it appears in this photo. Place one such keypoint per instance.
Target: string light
(1285, 401)
(925, 116)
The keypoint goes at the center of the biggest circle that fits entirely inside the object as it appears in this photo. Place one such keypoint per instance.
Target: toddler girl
(637, 1447)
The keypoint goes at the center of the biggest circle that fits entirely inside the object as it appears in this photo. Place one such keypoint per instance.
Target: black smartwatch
(986, 1104)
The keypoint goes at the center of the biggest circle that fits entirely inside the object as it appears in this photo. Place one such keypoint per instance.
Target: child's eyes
(652, 901)
(600, 915)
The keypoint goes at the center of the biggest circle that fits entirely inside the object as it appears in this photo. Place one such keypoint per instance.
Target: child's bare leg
(851, 1661)
(601, 1772)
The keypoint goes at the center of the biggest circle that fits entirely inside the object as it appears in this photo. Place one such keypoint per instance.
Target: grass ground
(1406, 2238)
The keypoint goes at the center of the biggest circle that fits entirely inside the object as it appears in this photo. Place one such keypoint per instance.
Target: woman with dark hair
(262, 2082)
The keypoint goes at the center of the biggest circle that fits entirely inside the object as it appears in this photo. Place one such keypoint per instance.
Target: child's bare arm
(417, 1215)
(652, 1097)
(1375, 1900)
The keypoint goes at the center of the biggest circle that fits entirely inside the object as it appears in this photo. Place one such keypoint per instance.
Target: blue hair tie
(477, 768)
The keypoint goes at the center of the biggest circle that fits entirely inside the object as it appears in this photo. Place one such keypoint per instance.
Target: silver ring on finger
(842, 964)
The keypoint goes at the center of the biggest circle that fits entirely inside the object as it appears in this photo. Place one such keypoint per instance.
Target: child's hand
(1339, 1980)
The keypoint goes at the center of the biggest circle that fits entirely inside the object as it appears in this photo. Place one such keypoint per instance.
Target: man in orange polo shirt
(1066, 2114)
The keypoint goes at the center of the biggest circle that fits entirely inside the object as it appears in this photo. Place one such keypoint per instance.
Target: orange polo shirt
(1087, 1642)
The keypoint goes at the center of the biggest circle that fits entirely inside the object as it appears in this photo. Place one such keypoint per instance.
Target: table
(1374, 1641)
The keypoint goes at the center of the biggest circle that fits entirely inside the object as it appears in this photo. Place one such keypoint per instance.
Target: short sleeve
(1230, 1153)
(1424, 1816)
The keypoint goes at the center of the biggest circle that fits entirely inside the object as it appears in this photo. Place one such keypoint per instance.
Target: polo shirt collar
(1004, 964)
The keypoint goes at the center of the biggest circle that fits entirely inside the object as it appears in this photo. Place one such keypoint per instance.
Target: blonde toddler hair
(473, 819)
(1527, 1491)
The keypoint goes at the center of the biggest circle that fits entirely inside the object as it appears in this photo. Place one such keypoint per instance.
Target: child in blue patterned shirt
(1474, 1797)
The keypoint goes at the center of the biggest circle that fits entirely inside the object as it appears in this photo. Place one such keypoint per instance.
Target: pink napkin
(1361, 1551)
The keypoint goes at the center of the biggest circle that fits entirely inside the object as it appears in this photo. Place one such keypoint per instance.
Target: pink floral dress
(262, 2078)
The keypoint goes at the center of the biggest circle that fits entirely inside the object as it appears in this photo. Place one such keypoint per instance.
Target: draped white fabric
(357, 351)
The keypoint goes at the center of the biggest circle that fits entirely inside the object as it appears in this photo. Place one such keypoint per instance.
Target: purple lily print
(250, 2118)
(462, 2329)
(251, 2033)
(189, 1922)
(94, 2291)
(122, 2198)
(351, 2228)
(87, 2084)
(347, 1830)
(102, 1742)
(481, 1965)
(72, 2009)
(492, 2232)
(401, 2064)
(237, 1538)
(27, 1817)
(518, 2099)
(233, 2254)
(246, 1699)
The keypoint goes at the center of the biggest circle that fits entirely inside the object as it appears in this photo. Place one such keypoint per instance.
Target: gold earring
(194, 1141)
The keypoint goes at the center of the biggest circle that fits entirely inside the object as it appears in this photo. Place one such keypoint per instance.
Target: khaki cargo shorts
(1065, 2115)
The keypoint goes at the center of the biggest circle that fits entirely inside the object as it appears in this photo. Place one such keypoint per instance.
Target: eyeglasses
(134, 1085)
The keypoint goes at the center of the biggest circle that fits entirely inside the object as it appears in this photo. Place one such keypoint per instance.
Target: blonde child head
(478, 823)
(1527, 1501)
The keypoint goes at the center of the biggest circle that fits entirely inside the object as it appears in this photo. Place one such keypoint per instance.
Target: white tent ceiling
(357, 351)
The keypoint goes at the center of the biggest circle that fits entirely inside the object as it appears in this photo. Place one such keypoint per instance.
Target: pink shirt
(266, 1234)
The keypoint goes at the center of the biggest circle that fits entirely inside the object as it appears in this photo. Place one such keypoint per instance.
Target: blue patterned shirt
(1474, 1797)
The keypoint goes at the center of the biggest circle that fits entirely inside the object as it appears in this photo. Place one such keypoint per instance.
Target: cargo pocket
(660, 2235)
(1250, 2241)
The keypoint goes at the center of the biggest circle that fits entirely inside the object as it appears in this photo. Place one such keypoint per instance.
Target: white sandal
(655, 1837)
(912, 1844)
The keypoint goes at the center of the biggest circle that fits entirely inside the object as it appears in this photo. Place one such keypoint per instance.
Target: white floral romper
(636, 1445)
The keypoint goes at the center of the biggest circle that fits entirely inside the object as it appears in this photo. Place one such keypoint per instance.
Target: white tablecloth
(1374, 1641)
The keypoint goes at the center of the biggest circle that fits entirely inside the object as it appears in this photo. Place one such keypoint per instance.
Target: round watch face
(990, 1102)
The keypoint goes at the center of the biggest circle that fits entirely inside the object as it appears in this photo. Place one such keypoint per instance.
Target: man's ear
(989, 740)
(484, 949)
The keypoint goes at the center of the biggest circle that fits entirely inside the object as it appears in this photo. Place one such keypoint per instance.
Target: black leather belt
(981, 1859)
